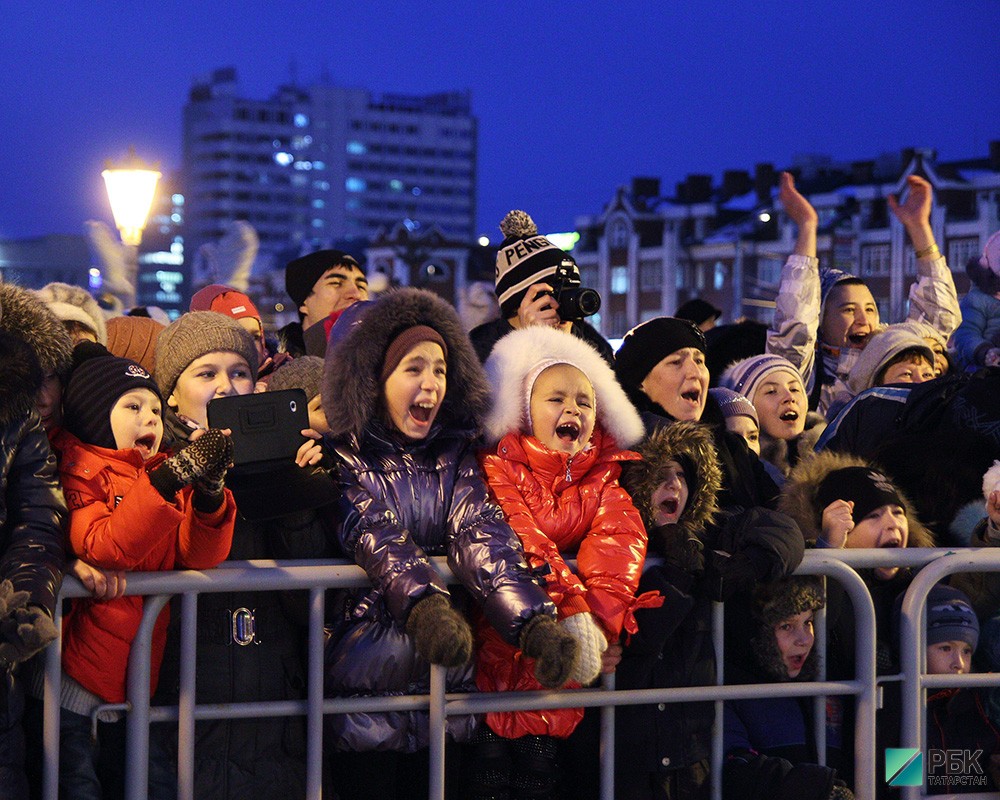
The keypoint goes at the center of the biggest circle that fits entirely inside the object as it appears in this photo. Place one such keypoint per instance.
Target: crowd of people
(512, 450)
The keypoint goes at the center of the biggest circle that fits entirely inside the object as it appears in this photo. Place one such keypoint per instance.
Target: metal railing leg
(314, 698)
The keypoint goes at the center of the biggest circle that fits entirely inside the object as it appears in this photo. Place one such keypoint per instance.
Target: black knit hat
(98, 380)
(698, 311)
(302, 273)
(526, 258)
(867, 488)
(646, 345)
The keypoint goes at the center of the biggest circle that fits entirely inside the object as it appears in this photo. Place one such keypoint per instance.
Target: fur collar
(351, 389)
(29, 318)
(20, 379)
(691, 444)
(518, 353)
(798, 497)
(785, 454)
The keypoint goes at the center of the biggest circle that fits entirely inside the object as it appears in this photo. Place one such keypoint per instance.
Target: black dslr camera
(575, 301)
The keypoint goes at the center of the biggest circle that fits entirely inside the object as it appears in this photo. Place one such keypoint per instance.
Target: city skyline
(572, 100)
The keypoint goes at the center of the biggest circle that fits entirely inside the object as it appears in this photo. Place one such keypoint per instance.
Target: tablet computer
(266, 428)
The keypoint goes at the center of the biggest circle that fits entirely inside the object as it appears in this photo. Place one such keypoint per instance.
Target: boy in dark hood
(707, 555)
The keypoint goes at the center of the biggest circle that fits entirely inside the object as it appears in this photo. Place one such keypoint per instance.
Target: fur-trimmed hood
(785, 454)
(798, 497)
(29, 318)
(351, 388)
(691, 445)
(520, 352)
(20, 378)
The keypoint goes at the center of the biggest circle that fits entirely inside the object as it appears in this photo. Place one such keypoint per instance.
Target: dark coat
(484, 336)
(245, 758)
(403, 502)
(957, 720)
(32, 515)
(673, 647)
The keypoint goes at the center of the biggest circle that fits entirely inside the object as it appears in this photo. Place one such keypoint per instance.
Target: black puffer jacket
(403, 502)
(707, 555)
(246, 758)
(32, 515)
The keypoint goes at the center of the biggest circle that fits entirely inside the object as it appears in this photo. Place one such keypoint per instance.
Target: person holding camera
(538, 283)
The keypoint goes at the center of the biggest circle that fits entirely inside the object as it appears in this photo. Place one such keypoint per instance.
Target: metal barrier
(316, 577)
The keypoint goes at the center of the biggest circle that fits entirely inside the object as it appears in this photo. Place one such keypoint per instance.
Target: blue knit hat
(950, 617)
(733, 404)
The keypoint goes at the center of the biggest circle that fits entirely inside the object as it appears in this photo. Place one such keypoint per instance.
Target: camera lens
(578, 303)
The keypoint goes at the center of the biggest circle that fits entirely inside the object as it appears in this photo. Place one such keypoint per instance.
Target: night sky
(573, 99)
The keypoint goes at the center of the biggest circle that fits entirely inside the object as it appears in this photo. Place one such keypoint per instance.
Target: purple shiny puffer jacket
(403, 503)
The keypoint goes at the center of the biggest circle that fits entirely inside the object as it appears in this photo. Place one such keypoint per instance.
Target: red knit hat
(224, 300)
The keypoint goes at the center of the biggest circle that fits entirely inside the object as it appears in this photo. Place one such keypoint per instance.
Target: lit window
(283, 159)
(396, 185)
(177, 199)
(175, 218)
(619, 280)
(353, 184)
(317, 223)
(317, 203)
(300, 120)
(319, 165)
(303, 165)
(356, 148)
(719, 276)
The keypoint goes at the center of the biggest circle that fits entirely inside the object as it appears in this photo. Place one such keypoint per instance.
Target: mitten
(591, 642)
(23, 633)
(440, 634)
(204, 461)
(554, 649)
(680, 549)
(10, 600)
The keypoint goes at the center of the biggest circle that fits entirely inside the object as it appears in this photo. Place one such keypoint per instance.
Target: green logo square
(904, 766)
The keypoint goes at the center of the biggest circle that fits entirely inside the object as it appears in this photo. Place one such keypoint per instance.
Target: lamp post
(131, 186)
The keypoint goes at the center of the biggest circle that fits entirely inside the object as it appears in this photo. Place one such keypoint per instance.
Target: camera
(575, 301)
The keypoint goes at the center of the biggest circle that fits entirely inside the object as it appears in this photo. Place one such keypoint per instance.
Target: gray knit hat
(304, 372)
(193, 335)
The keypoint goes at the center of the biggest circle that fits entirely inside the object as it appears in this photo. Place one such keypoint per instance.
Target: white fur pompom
(991, 480)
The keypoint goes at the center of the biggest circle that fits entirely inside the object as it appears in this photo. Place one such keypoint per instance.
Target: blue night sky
(573, 99)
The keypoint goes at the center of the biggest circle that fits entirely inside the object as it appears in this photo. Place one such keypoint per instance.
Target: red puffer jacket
(563, 504)
(119, 521)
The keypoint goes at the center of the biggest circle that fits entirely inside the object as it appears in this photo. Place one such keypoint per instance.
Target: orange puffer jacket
(118, 521)
(563, 505)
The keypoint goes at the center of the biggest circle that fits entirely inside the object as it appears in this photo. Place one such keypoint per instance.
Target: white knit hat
(74, 304)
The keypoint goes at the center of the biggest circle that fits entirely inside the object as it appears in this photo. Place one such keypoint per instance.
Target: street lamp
(131, 186)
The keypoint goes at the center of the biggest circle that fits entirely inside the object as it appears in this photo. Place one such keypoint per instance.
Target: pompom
(991, 480)
(518, 224)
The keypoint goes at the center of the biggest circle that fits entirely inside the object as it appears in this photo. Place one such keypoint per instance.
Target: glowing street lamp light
(131, 186)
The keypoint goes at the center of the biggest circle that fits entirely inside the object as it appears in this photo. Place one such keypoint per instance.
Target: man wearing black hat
(319, 284)
(526, 267)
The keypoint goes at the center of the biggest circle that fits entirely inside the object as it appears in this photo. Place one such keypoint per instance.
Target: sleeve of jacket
(970, 339)
(487, 556)
(933, 298)
(205, 539)
(657, 625)
(371, 534)
(795, 324)
(611, 557)
(116, 537)
(34, 555)
(562, 585)
(747, 775)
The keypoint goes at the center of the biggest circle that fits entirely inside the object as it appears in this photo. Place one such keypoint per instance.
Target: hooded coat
(560, 504)
(32, 515)
(708, 554)
(404, 501)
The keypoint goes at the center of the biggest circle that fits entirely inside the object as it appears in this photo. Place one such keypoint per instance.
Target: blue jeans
(90, 769)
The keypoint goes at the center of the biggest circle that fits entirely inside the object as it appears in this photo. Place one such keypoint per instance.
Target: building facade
(726, 241)
(325, 165)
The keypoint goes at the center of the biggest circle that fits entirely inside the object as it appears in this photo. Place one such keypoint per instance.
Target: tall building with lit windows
(325, 165)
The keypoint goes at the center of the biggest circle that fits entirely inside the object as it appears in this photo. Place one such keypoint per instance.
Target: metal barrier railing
(316, 577)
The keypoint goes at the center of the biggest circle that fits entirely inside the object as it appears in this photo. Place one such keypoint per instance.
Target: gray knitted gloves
(592, 643)
(553, 648)
(441, 635)
(24, 630)
(202, 463)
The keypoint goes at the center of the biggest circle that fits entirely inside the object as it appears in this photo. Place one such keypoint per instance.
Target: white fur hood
(519, 352)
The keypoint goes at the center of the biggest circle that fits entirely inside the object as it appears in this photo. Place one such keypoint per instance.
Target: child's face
(136, 422)
(795, 638)
(747, 428)
(949, 658)
(48, 401)
(216, 374)
(671, 496)
(850, 316)
(414, 391)
(563, 409)
(886, 526)
(317, 416)
(781, 405)
(916, 369)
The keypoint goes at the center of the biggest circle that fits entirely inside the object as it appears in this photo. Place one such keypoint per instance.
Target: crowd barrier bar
(319, 576)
